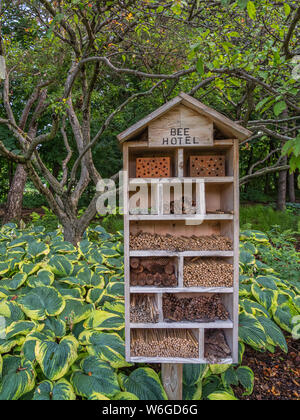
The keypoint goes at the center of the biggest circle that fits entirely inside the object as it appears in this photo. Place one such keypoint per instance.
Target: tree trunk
(73, 232)
(13, 212)
(282, 189)
(292, 194)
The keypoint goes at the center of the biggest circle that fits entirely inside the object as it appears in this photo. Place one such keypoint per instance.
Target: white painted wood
(148, 289)
(154, 253)
(154, 360)
(184, 324)
(201, 343)
(194, 218)
(212, 180)
(181, 272)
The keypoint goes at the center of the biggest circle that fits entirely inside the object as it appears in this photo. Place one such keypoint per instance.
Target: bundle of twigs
(216, 347)
(208, 272)
(143, 309)
(200, 308)
(164, 343)
(149, 241)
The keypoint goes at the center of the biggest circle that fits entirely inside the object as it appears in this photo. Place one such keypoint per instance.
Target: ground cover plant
(64, 320)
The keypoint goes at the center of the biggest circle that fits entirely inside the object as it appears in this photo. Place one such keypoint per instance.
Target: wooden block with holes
(154, 167)
(207, 166)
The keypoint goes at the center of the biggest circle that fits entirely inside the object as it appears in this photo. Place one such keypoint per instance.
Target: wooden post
(172, 380)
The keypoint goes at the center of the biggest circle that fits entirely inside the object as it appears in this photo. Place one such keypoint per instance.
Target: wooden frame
(223, 192)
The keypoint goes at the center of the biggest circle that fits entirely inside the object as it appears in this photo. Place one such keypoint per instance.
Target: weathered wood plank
(172, 380)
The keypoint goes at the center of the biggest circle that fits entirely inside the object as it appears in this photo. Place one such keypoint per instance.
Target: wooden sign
(181, 127)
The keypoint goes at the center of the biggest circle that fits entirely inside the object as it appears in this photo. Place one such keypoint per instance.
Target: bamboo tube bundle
(158, 272)
(201, 308)
(208, 272)
(216, 347)
(148, 241)
(143, 309)
(164, 343)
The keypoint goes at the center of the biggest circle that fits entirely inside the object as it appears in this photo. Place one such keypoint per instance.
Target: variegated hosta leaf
(63, 248)
(267, 282)
(115, 290)
(251, 331)
(108, 347)
(264, 296)
(222, 396)
(95, 376)
(125, 396)
(193, 374)
(54, 358)
(246, 258)
(67, 292)
(4, 268)
(274, 335)
(60, 266)
(18, 378)
(42, 302)
(145, 384)
(95, 295)
(28, 348)
(56, 326)
(116, 307)
(35, 249)
(96, 396)
(11, 311)
(43, 278)
(101, 320)
(54, 391)
(29, 268)
(76, 311)
(246, 378)
(15, 282)
(283, 317)
(6, 345)
(20, 328)
(253, 308)
(218, 369)
(193, 392)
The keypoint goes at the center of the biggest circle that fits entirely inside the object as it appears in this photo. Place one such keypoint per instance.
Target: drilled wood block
(155, 167)
(207, 166)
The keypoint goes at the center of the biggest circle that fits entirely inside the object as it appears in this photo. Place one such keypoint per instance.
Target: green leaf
(279, 108)
(251, 331)
(246, 378)
(36, 249)
(42, 302)
(95, 376)
(200, 66)
(145, 384)
(76, 311)
(222, 396)
(251, 9)
(193, 374)
(60, 266)
(108, 347)
(287, 9)
(274, 335)
(102, 320)
(54, 358)
(17, 379)
(54, 391)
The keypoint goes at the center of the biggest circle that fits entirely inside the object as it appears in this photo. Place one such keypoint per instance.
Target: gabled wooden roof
(224, 124)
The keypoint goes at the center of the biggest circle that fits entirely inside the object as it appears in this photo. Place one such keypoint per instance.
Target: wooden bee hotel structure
(181, 205)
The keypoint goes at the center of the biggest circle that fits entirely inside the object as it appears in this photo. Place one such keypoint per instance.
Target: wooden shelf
(150, 360)
(154, 253)
(163, 217)
(184, 324)
(149, 289)
(210, 180)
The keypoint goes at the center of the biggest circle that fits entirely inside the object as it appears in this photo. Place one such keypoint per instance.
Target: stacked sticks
(208, 272)
(216, 347)
(143, 309)
(149, 241)
(164, 343)
(201, 308)
(158, 272)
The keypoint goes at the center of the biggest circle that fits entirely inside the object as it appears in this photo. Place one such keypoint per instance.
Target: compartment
(208, 272)
(165, 343)
(217, 345)
(156, 272)
(143, 198)
(144, 309)
(179, 236)
(209, 162)
(165, 164)
(205, 307)
(219, 198)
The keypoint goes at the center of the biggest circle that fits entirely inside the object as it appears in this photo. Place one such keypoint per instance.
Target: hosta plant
(63, 336)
